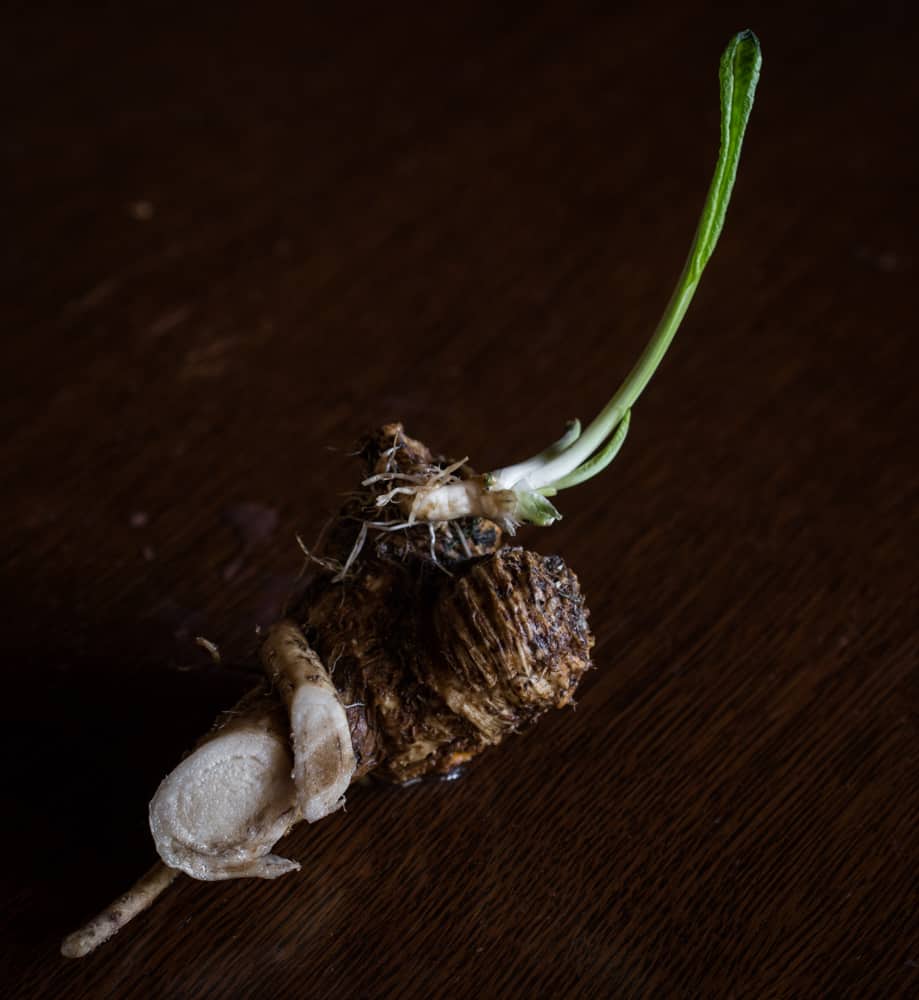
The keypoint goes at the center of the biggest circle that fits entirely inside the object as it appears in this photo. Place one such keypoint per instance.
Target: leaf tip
(744, 54)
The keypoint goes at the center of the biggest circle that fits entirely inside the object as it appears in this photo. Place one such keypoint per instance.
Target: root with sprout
(402, 699)
(440, 639)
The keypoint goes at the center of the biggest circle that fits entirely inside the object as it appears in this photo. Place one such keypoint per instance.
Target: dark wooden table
(234, 242)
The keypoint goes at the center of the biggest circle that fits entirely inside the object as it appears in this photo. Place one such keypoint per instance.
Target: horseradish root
(431, 667)
(419, 638)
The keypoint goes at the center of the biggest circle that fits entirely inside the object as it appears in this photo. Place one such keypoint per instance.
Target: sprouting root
(404, 701)
(433, 671)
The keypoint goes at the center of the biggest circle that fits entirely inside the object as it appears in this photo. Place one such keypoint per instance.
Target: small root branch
(329, 565)
(110, 921)
(353, 554)
(209, 647)
(324, 761)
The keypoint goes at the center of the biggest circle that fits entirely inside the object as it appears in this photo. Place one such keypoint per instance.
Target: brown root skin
(389, 451)
(512, 642)
(437, 643)
(443, 667)
(442, 664)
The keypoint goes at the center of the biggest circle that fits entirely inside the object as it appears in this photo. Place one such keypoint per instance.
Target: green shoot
(576, 458)
(597, 462)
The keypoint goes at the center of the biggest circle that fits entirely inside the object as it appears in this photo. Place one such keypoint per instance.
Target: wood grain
(235, 241)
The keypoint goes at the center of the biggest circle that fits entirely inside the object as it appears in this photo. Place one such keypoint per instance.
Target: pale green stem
(739, 73)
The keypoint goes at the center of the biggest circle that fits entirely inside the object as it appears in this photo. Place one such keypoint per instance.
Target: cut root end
(219, 813)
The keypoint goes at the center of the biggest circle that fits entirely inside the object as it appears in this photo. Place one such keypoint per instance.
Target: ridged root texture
(513, 641)
(448, 666)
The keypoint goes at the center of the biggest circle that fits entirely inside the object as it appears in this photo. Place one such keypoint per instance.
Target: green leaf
(740, 68)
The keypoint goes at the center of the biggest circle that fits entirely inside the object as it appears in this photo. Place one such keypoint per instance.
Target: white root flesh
(219, 813)
(216, 816)
(324, 761)
(110, 921)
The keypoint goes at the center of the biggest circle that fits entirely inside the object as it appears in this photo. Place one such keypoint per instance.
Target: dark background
(234, 241)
